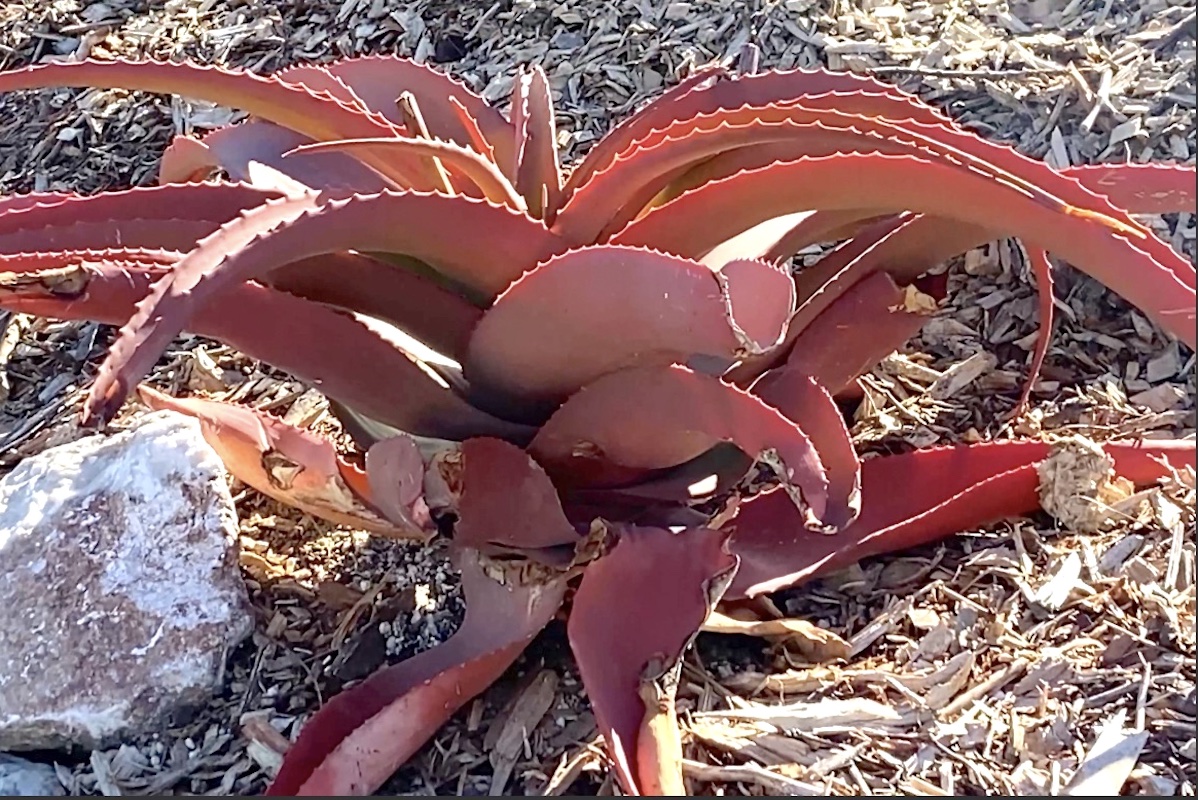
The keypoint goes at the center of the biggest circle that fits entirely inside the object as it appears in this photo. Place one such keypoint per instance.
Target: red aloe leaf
(282, 232)
(500, 482)
(188, 160)
(16, 263)
(1042, 269)
(706, 93)
(379, 80)
(361, 736)
(657, 417)
(318, 115)
(232, 148)
(669, 583)
(1141, 188)
(290, 464)
(803, 399)
(17, 202)
(395, 472)
(428, 312)
(836, 349)
(317, 344)
(208, 202)
(1162, 286)
(537, 172)
(940, 491)
(177, 235)
(615, 196)
(572, 319)
(485, 177)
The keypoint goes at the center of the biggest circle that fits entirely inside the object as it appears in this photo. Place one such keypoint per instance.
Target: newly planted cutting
(574, 371)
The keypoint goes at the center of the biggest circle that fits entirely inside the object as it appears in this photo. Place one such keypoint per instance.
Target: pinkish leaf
(710, 91)
(500, 482)
(835, 348)
(177, 235)
(430, 313)
(379, 80)
(668, 583)
(290, 464)
(317, 344)
(1161, 284)
(209, 202)
(573, 319)
(537, 172)
(655, 417)
(484, 177)
(1152, 188)
(913, 499)
(502, 243)
(232, 149)
(395, 472)
(361, 736)
(318, 115)
(809, 404)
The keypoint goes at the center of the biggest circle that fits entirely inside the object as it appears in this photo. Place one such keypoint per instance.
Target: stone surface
(21, 778)
(121, 590)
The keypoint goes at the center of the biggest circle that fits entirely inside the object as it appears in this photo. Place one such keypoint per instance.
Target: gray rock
(121, 590)
(21, 778)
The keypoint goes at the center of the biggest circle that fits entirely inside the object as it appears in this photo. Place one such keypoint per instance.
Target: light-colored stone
(121, 590)
(21, 778)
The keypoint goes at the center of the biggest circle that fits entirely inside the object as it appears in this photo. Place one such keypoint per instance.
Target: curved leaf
(499, 482)
(573, 319)
(1142, 188)
(282, 232)
(803, 399)
(176, 235)
(1161, 284)
(430, 313)
(835, 348)
(292, 465)
(485, 176)
(318, 115)
(395, 471)
(944, 491)
(379, 80)
(655, 417)
(232, 148)
(537, 172)
(214, 202)
(708, 92)
(361, 736)
(330, 349)
(669, 583)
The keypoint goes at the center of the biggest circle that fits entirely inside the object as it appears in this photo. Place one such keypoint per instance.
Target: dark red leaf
(573, 319)
(361, 736)
(232, 148)
(507, 500)
(913, 499)
(317, 344)
(501, 245)
(668, 583)
(655, 417)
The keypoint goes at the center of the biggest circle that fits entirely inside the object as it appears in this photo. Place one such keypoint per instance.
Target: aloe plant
(573, 366)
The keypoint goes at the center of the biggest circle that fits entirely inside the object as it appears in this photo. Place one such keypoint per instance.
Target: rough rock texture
(121, 590)
(21, 778)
